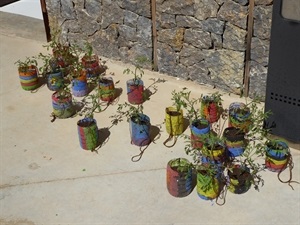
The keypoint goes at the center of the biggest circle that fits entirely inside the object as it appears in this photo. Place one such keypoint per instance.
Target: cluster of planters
(225, 144)
(229, 147)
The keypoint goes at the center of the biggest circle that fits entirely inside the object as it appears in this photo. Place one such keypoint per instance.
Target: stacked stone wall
(199, 40)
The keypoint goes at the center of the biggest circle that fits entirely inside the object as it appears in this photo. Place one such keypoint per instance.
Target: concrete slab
(46, 178)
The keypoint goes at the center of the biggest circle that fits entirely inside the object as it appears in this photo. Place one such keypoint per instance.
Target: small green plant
(24, 66)
(128, 111)
(49, 64)
(138, 71)
(181, 165)
(182, 99)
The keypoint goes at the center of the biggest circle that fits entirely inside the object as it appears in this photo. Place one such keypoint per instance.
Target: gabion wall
(199, 40)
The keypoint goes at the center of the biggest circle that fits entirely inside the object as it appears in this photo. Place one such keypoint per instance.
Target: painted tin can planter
(235, 142)
(208, 186)
(179, 177)
(239, 179)
(239, 116)
(210, 110)
(79, 86)
(277, 153)
(174, 121)
(199, 129)
(135, 91)
(91, 65)
(28, 78)
(88, 133)
(174, 125)
(215, 152)
(140, 130)
(62, 106)
(55, 81)
(107, 89)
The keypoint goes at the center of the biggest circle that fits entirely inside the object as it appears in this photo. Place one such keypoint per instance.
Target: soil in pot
(239, 180)
(140, 130)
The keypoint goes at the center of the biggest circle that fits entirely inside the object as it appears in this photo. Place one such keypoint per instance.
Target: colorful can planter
(199, 129)
(107, 89)
(210, 110)
(208, 186)
(55, 81)
(62, 105)
(239, 116)
(135, 91)
(277, 153)
(28, 78)
(140, 130)
(88, 133)
(79, 86)
(91, 65)
(179, 177)
(235, 142)
(174, 121)
(216, 152)
(239, 179)
(275, 165)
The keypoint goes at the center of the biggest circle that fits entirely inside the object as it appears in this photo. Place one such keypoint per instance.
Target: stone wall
(199, 40)
(260, 47)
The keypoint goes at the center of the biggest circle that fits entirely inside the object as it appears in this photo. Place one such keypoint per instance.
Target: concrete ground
(46, 178)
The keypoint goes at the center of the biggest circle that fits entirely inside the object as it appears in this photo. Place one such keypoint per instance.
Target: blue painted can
(79, 87)
(140, 130)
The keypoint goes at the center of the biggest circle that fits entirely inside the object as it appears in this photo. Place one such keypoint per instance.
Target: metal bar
(248, 49)
(46, 20)
(154, 34)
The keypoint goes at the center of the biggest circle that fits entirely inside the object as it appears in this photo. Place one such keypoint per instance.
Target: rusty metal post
(154, 34)
(248, 49)
(46, 20)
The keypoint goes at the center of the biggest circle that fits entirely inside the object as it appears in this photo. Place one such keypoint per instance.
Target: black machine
(283, 81)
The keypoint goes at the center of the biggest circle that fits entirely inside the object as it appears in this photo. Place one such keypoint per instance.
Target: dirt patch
(16, 222)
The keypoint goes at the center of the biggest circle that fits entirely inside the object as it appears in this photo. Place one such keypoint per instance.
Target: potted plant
(78, 77)
(28, 73)
(90, 61)
(210, 181)
(135, 86)
(211, 107)
(277, 154)
(174, 118)
(51, 71)
(139, 123)
(180, 177)
(235, 141)
(62, 52)
(62, 103)
(106, 89)
(239, 116)
(239, 179)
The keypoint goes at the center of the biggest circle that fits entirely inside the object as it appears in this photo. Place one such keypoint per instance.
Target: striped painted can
(28, 78)
(140, 130)
(62, 105)
(179, 177)
(80, 86)
(208, 186)
(88, 133)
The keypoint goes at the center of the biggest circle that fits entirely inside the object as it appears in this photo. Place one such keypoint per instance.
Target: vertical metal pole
(154, 34)
(248, 49)
(46, 20)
